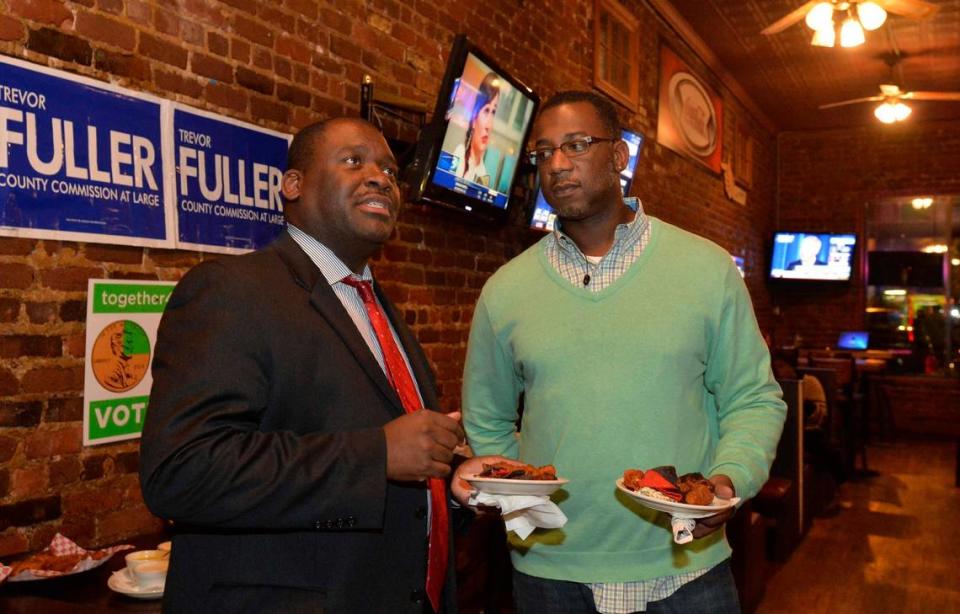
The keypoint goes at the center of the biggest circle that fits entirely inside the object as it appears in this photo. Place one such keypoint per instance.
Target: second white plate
(680, 510)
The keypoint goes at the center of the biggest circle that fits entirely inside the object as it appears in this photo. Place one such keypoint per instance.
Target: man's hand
(724, 490)
(459, 487)
(420, 445)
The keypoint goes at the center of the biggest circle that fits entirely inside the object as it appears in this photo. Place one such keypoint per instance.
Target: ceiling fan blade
(933, 95)
(890, 89)
(788, 20)
(914, 9)
(851, 101)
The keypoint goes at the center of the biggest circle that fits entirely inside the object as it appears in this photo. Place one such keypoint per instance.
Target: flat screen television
(543, 218)
(853, 340)
(812, 256)
(470, 154)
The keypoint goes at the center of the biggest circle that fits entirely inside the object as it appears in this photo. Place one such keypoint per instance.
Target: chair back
(843, 367)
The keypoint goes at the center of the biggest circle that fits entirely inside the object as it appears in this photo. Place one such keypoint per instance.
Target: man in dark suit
(276, 438)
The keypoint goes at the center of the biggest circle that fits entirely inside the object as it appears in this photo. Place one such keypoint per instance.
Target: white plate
(680, 510)
(120, 582)
(503, 486)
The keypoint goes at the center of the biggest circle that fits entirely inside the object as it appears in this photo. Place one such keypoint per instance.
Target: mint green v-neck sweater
(666, 366)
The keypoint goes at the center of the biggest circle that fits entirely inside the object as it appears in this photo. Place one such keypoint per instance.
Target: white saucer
(121, 582)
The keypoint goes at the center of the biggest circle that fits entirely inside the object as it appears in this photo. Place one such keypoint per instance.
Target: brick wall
(827, 179)
(283, 65)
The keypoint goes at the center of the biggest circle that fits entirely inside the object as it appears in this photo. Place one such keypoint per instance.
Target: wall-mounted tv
(812, 256)
(543, 218)
(469, 156)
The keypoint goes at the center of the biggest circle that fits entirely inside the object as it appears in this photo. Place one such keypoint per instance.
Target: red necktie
(402, 382)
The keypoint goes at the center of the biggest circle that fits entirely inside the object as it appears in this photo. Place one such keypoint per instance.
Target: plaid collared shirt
(629, 241)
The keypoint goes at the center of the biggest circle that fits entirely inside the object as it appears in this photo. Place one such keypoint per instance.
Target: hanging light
(851, 33)
(921, 202)
(886, 113)
(820, 17)
(901, 111)
(871, 15)
(824, 38)
(892, 111)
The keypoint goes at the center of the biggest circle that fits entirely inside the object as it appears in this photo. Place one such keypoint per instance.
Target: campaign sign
(122, 321)
(227, 181)
(79, 159)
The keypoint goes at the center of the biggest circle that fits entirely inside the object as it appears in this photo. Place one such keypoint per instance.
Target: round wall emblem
(121, 355)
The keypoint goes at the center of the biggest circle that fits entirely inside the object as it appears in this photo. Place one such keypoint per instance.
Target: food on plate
(517, 471)
(663, 483)
(46, 561)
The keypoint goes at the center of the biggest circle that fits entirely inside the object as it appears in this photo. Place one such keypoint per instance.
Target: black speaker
(917, 269)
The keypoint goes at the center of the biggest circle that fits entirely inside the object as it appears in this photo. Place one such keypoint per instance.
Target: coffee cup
(139, 557)
(149, 574)
(164, 547)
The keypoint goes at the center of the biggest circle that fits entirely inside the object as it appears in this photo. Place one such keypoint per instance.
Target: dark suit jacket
(263, 443)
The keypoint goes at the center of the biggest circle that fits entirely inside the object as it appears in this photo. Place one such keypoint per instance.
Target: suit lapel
(325, 301)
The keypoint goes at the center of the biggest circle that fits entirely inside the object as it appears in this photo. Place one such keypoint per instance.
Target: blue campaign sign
(79, 159)
(227, 182)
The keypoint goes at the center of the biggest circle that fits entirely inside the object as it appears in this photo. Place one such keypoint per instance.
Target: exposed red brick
(91, 503)
(11, 30)
(177, 83)
(75, 345)
(111, 6)
(122, 64)
(53, 379)
(284, 22)
(29, 481)
(15, 275)
(59, 45)
(106, 30)
(8, 447)
(41, 313)
(226, 96)
(307, 8)
(64, 471)
(12, 542)
(9, 385)
(240, 50)
(265, 108)
(139, 11)
(262, 58)
(164, 51)
(121, 524)
(9, 309)
(294, 49)
(69, 278)
(44, 443)
(53, 12)
(254, 80)
(293, 95)
(209, 66)
(22, 346)
(253, 31)
(66, 409)
(17, 247)
(218, 44)
(166, 22)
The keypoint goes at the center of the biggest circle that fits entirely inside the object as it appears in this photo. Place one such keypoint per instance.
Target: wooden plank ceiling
(788, 78)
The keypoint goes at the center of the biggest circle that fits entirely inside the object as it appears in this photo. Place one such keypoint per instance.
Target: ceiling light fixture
(921, 202)
(849, 18)
(892, 111)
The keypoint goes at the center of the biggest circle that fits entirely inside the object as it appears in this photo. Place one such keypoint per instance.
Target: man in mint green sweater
(634, 345)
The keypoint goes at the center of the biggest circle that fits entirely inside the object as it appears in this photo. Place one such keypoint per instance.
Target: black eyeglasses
(571, 149)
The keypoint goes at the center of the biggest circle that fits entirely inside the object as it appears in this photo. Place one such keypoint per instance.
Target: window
(615, 53)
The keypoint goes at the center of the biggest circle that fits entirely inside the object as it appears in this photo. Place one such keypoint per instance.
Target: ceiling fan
(847, 20)
(893, 109)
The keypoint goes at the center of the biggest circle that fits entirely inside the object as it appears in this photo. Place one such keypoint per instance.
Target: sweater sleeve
(749, 400)
(491, 390)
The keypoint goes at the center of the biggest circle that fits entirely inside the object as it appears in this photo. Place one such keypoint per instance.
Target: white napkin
(523, 513)
(683, 529)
